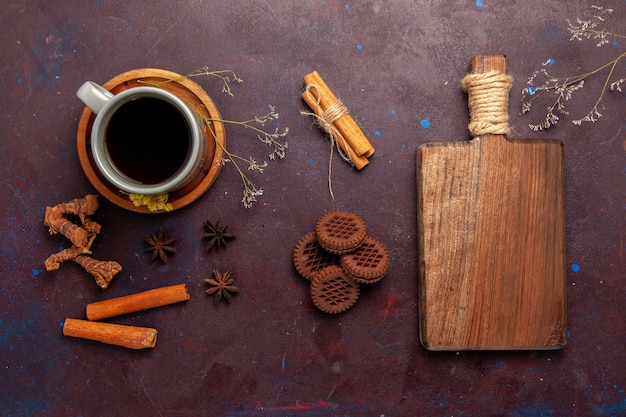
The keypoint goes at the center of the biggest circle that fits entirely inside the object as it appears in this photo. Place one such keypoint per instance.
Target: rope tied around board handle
(488, 102)
(325, 119)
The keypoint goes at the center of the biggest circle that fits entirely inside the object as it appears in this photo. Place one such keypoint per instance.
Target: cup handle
(94, 96)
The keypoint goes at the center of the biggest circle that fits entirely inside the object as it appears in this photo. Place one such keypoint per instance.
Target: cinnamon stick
(137, 302)
(358, 161)
(320, 97)
(131, 337)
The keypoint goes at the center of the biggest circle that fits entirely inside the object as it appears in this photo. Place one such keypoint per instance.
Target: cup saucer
(190, 92)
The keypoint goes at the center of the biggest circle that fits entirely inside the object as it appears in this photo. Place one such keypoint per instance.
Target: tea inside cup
(202, 107)
(145, 140)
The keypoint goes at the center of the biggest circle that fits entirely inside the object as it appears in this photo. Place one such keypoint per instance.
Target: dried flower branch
(564, 87)
(592, 27)
(272, 139)
(227, 76)
(257, 124)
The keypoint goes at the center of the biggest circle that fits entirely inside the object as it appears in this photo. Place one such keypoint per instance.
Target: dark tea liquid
(147, 140)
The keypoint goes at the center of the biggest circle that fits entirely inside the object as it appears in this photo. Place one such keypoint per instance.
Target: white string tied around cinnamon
(488, 102)
(325, 119)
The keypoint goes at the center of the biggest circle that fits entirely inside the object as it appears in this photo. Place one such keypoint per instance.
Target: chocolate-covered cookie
(332, 291)
(340, 232)
(309, 257)
(369, 263)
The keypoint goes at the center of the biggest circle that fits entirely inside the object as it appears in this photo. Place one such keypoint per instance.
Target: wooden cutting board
(491, 237)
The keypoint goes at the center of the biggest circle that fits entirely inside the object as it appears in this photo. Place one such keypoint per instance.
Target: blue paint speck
(35, 272)
(575, 268)
(425, 123)
(551, 61)
(393, 111)
(61, 323)
(377, 133)
(531, 91)
(441, 404)
(347, 6)
(480, 4)
(310, 161)
(359, 47)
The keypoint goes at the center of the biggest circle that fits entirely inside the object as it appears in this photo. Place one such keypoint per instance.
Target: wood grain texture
(491, 238)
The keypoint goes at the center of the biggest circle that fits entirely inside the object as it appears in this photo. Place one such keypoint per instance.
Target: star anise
(160, 246)
(222, 286)
(216, 233)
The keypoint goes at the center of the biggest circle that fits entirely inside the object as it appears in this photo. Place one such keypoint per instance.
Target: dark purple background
(397, 66)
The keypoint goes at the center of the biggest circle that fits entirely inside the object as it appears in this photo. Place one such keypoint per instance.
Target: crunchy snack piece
(340, 232)
(368, 264)
(332, 291)
(309, 257)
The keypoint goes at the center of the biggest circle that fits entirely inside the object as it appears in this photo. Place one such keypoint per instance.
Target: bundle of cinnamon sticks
(334, 118)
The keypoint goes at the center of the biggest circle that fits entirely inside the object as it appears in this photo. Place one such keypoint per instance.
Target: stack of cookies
(337, 257)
